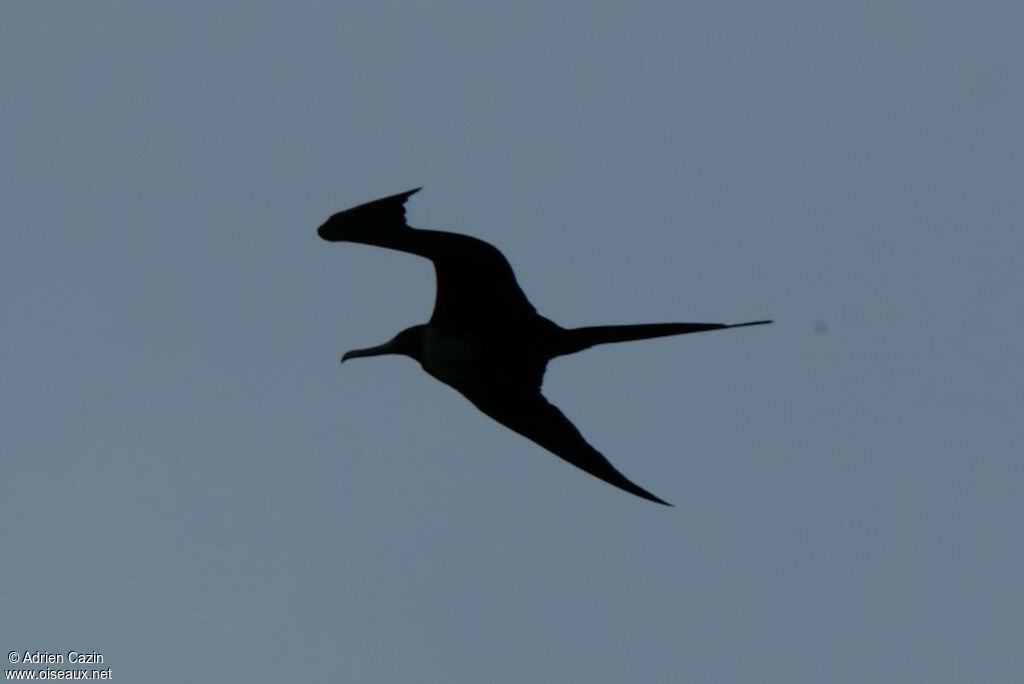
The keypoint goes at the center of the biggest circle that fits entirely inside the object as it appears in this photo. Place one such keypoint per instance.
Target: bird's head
(409, 342)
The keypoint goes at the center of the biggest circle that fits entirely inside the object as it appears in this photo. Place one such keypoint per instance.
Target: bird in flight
(484, 337)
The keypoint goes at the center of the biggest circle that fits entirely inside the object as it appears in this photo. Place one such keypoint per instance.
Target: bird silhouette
(484, 337)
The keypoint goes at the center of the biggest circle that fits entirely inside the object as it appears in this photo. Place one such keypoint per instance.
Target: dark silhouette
(484, 338)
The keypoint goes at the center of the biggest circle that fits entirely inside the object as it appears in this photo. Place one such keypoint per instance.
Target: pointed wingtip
(401, 197)
(636, 490)
(654, 499)
(366, 222)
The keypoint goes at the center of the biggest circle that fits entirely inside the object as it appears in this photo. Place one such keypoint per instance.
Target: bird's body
(472, 363)
(484, 338)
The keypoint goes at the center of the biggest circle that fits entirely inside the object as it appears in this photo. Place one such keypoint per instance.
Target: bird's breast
(475, 361)
(445, 355)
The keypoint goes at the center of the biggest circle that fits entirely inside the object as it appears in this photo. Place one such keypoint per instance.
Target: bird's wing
(535, 418)
(476, 287)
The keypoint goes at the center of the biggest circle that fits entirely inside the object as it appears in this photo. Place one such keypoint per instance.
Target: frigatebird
(484, 338)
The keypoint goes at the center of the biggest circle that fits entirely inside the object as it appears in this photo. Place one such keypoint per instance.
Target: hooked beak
(386, 348)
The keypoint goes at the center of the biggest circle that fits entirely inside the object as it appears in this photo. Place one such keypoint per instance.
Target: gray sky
(193, 487)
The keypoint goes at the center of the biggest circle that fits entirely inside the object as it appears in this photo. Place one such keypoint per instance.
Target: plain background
(193, 487)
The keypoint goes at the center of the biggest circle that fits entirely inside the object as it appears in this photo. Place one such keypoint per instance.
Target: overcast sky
(193, 487)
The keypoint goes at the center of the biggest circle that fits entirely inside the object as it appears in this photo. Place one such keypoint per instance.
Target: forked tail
(578, 339)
